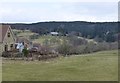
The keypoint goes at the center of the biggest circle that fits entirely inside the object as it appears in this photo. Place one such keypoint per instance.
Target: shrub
(64, 48)
(25, 52)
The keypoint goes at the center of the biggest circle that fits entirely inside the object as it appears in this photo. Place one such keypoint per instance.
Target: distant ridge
(91, 29)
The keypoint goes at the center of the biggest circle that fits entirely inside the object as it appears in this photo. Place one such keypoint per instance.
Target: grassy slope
(42, 39)
(25, 33)
(93, 67)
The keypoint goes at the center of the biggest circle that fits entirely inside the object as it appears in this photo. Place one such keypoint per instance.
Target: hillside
(105, 30)
(51, 40)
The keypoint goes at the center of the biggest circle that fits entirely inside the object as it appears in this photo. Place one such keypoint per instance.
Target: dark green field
(99, 66)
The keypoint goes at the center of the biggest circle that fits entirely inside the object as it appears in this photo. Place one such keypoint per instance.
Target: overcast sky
(40, 11)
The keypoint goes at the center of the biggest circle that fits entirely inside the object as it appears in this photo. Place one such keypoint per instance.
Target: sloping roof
(3, 31)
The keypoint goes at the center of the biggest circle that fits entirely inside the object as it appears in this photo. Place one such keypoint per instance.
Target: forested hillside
(102, 31)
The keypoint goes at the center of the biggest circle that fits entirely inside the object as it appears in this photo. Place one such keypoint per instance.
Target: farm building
(7, 38)
(54, 33)
(8, 41)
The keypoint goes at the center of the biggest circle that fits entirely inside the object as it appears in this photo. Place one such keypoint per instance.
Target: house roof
(3, 31)
(54, 33)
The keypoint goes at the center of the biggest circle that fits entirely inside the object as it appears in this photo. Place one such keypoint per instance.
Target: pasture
(23, 33)
(52, 40)
(99, 66)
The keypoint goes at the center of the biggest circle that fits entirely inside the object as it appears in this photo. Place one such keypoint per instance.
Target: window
(11, 46)
(15, 46)
(8, 34)
(6, 47)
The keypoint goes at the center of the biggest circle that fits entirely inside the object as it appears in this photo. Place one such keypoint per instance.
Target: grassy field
(23, 33)
(51, 40)
(99, 66)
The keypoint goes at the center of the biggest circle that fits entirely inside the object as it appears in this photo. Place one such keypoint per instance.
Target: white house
(54, 33)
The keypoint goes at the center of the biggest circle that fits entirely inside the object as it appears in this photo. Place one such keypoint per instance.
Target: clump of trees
(76, 45)
(64, 48)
